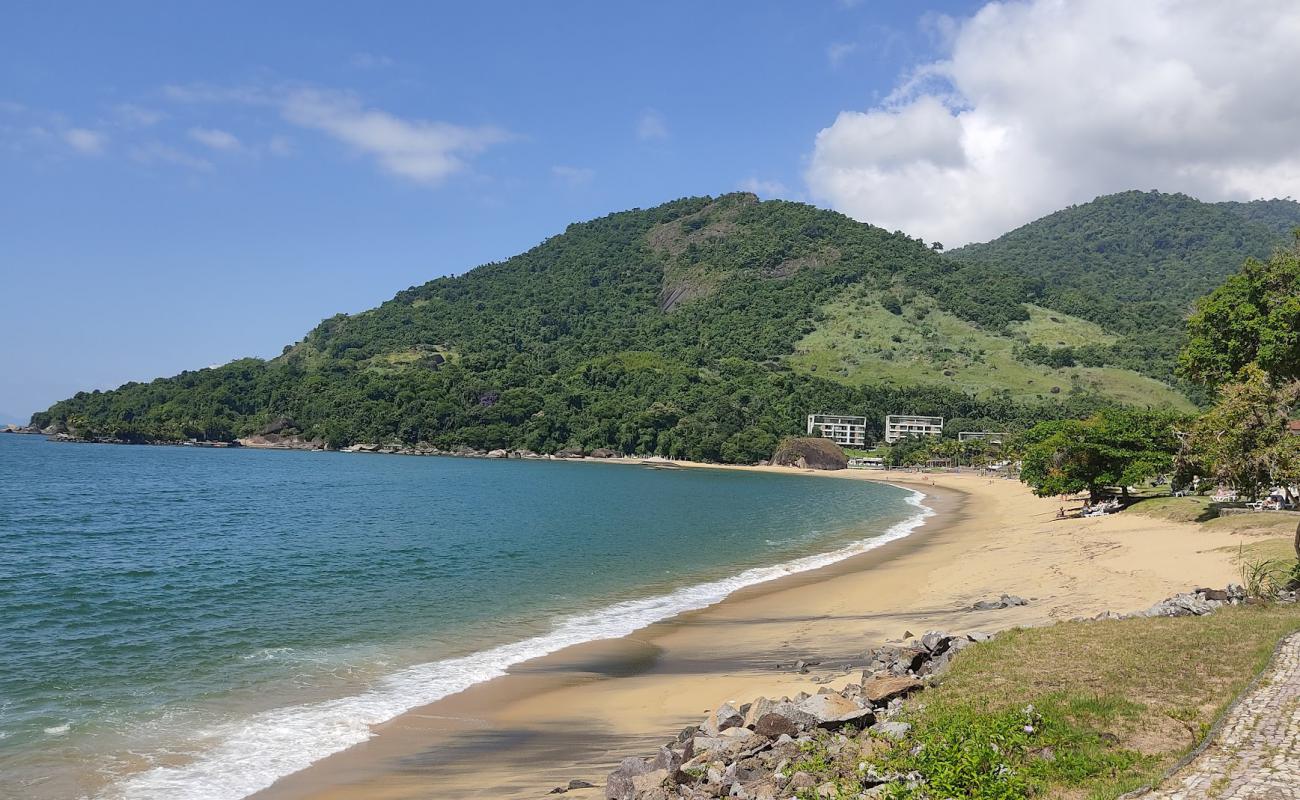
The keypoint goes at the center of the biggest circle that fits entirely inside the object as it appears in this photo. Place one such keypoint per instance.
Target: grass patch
(1073, 710)
(1262, 523)
(1132, 695)
(1177, 509)
(1054, 329)
(860, 342)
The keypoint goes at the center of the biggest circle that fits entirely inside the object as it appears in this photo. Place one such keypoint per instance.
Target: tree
(1112, 448)
(1253, 318)
(1243, 441)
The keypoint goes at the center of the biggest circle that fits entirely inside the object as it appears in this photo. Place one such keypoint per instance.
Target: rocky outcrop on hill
(275, 441)
(809, 453)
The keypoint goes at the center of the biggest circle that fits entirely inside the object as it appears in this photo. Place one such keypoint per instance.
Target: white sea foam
(250, 754)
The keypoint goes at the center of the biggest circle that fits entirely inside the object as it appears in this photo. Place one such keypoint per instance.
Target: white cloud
(651, 125)
(85, 141)
(1044, 103)
(573, 176)
(764, 188)
(422, 151)
(159, 153)
(216, 139)
(836, 52)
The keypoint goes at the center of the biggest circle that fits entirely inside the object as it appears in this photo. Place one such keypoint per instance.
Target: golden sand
(576, 713)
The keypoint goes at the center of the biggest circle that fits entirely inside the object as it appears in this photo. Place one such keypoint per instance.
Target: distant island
(707, 328)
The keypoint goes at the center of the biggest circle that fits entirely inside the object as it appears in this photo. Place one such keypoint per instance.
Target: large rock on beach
(882, 690)
(809, 453)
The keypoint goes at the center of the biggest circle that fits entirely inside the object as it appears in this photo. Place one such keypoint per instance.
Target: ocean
(184, 622)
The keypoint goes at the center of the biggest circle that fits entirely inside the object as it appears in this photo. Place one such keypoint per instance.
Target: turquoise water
(177, 622)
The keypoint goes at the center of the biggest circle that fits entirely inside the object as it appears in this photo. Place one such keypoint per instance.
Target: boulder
(602, 452)
(757, 710)
(498, 453)
(831, 710)
(882, 690)
(810, 453)
(727, 716)
(775, 725)
(619, 785)
(797, 719)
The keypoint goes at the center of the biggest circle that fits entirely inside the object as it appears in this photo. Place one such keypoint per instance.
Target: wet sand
(575, 713)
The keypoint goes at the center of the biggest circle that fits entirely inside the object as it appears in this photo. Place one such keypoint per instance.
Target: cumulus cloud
(216, 139)
(85, 141)
(573, 176)
(651, 125)
(1044, 103)
(422, 151)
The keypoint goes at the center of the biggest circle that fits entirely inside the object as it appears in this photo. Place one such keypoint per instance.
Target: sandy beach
(576, 713)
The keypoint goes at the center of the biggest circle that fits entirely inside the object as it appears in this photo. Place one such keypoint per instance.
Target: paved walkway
(1257, 753)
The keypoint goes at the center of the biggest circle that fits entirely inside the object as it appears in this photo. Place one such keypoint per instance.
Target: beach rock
(882, 690)
(579, 784)
(810, 453)
(619, 785)
(602, 452)
(727, 716)
(831, 710)
(1005, 601)
(756, 710)
(498, 454)
(773, 724)
(797, 718)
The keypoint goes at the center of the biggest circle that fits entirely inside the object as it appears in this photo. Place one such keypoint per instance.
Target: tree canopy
(1114, 448)
(1252, 319)
(1243, 441)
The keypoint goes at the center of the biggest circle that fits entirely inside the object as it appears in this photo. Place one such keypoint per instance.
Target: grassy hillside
(1134, 262)
(673, 330)
(860, 342)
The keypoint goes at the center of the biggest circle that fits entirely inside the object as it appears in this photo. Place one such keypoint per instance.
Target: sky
(184, 184)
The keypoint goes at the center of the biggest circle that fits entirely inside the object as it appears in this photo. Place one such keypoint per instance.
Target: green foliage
(1132, 262)
(998, 754)
(1243, 440)
(653, 331)
(1253, 318)
(1111, 448)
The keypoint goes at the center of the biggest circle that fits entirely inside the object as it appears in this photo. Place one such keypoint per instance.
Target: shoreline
(576, 712)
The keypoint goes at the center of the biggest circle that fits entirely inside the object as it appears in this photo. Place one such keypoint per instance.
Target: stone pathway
(1257, 753)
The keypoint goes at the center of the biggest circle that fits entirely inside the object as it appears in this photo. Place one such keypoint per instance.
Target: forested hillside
(1134, 263)
(663, 330)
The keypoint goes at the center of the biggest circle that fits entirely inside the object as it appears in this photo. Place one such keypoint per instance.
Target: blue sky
(161, 213)
(183, 184)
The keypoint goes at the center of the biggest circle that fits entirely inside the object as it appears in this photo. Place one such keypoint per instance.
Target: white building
(844, 431)
(993, 437)
(901, 426)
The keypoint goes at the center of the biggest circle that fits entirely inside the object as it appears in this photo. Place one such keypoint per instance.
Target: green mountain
(681, 330)
(1134, 262)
